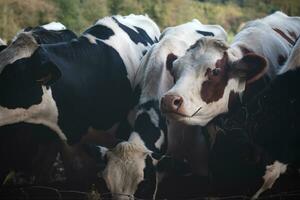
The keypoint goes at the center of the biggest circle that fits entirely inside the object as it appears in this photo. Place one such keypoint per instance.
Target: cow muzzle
(171, 104)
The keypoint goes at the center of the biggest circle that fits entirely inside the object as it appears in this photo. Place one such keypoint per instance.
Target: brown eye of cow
(216, 71)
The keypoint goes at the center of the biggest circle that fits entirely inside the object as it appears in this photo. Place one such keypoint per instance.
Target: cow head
(125, 167)
(206, 76)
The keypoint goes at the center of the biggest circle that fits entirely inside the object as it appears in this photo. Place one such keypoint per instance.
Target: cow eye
(216, 71)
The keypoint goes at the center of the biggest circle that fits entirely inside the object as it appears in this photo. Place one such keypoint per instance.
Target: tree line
(77, 15)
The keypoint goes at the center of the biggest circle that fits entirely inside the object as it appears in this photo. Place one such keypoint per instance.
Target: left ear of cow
(251, 67)
(45, 71)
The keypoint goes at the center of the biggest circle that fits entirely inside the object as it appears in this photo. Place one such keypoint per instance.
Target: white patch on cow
(54, 26)
(153, 117)
(271, 175)
(130, 52)
(23, 46)
(160, 140)
(293, 62)
(126, 162)
(45, 113)
(2, 42)
(103, 151)
(92, 39)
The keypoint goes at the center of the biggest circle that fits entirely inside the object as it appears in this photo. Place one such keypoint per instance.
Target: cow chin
(195, 120)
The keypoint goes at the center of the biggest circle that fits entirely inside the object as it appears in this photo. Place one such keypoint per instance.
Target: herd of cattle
(129, 106)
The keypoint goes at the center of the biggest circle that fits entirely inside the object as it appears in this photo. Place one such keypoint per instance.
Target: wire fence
(44, 192)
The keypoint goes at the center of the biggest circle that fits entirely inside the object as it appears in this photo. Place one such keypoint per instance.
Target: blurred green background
(77, 15)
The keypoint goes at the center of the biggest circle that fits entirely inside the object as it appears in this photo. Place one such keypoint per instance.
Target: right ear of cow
(45, 71)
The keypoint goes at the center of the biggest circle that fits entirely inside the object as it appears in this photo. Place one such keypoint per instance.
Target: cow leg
(271, 175)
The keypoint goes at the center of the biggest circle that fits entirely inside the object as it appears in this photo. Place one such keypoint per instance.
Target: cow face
(125, 167)
(206, 76)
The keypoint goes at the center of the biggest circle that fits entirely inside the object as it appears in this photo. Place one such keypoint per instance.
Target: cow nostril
(177, 102)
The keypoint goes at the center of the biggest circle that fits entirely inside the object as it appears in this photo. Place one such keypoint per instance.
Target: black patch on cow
(44, 36)
(139, 36)
(27, 29)
(147, 187)
(147, 130)
(29, 148)
(2, 47)
(205, 33)
(86, 68)
(18, 88)
(100, 32)
(281, 59)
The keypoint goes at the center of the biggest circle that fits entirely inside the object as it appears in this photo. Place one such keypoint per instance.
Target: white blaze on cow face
(124, 170)
(205, 77)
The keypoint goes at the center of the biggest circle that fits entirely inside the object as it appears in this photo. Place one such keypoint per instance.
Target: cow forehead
(200, 57)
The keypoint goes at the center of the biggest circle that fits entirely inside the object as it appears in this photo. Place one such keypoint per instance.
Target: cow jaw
(124, 170)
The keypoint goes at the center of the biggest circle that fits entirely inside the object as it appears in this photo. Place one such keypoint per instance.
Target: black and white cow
(25, 147)
(135, 159)
(210, 74)
(261, 136)
(212, 77)
(76, 87)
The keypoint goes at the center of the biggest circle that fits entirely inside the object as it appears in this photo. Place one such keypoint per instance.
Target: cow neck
(243, 116)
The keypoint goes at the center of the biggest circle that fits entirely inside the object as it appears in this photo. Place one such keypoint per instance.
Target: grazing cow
(147, 143)
(16, 95)
(77, 87)
(211, 74)
(261, 136)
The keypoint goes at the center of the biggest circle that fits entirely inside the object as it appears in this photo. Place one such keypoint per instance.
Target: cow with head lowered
(214, 78)
(25, 147)
(136, 158)
(74, 88)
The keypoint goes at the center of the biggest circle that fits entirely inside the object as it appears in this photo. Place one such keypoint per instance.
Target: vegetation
(77, 15)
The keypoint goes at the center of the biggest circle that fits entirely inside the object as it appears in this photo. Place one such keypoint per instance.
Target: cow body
(260, 137)
(223, 71)
(147, 142)
(80, 86)
(38, 140)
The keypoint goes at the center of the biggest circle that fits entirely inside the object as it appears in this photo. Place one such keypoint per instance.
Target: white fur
(271, 175)
(130, 52)
(92, 39)
(158, 144)
(23, 46)
(2, 42)
(124, 170)
(55, 26)
(45, 113)
(293, 61)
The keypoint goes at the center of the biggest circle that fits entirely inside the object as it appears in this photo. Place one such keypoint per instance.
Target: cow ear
(169, 62)
(44, 70)
(251, 67)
